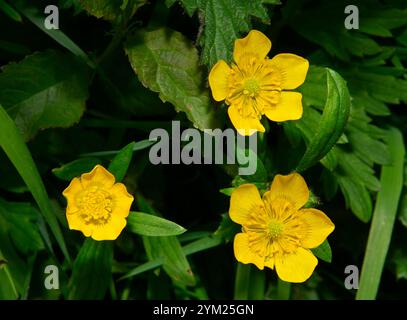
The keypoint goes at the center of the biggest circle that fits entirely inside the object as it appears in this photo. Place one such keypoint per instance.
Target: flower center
(95, 206)
(251, 87)
(275, 228)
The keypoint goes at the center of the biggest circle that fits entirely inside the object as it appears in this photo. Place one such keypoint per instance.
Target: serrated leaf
(120, 163)
(44, 90)
(149, 225)
(75, 168)
(167, 63)
(323, 252)
(357, 198)
(107, 9)
(332, 123)
(234, 17)
(91, 272)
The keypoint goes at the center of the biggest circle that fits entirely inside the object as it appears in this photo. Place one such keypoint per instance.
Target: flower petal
(246, 126)
(318, 227)
(76, 223)
(289, 107)
(244, 254)
(293, 69)
(109, 231)
(122, 200)
(218, 80)
(70, 193)
(98, 176)
(292, 187)
(297, 266)
(255, 43)
(244, 201)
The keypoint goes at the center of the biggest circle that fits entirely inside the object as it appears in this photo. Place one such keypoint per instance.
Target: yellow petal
(289, 107)
(218, 80)
(318, 227)
(98, 176)
(122, 200)
(75, 223)
(109, 231)
(291, 187)
(246, 126)
(244, 254)
(297, 266)
(244, 201)
(255, 43)
(70, 193)
(293, 69)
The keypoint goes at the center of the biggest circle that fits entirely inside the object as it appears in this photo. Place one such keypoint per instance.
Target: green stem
(242, 281)
(283, 290)
(383, 219)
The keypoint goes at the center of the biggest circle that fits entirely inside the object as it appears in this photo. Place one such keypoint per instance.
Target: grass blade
(13, 145)
(383, 219)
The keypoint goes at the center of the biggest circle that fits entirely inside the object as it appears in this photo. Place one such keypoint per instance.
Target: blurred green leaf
(75, 168)
(153, 226)
(120, 163)
(47, 89)
(91, 272)
(332, 124)
(166, 62)
(323, 252)
(18, 153)
(9, 11)
(399, 260)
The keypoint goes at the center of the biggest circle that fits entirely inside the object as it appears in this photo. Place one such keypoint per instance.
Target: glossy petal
(122, 200)
(98, 176)
(291, 187)
(244, 201)
(75, 223)
(246, 126)
(289, 107)
(109, 231)
(297, 266)
(255, 43)
(318, 227)
(293, 69)
(243, 253)
(70, 193)
(218, 80)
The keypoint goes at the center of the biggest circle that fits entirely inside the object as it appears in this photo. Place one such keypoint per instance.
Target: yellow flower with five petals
(97, 205)
(255, 85)
(276, 232)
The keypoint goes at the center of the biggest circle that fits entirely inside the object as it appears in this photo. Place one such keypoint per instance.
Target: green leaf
(111, 9)
(166, 62)
(323, 252)
(150, 225)
(383, 218)
(191, 248)
(168, 249)
(140, 145)
(120, 163)
(399, 260)
(8, 10)
(16, 150)
(91, 272)
(332, 124)
(357, 198)
(75, 168)
(234, 18)
(55, 99)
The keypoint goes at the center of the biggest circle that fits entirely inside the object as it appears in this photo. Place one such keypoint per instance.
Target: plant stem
(283, 290)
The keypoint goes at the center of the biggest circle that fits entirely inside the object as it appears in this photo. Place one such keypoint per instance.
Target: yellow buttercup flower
(255, 85)
(276, 232)
(97, 205)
